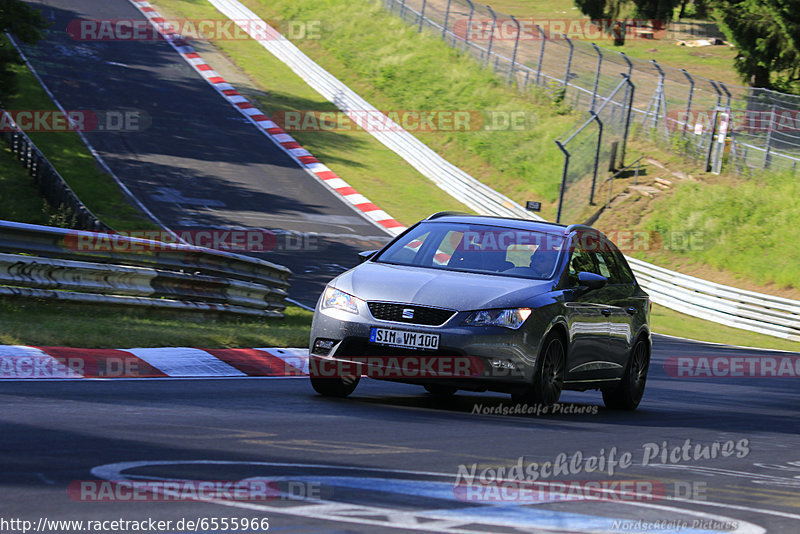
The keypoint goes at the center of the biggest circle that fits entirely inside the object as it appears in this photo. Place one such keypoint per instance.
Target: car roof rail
(445, 214)
(573, 227)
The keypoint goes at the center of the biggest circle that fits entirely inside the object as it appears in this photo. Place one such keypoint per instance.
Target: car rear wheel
(629, 393)
(438, 390)
(549, 378)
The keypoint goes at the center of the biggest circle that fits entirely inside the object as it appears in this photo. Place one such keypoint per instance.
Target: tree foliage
(767, 35)
(610, 9)
(24, 23)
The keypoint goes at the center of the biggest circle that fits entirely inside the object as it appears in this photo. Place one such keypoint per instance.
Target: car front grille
(422, 315)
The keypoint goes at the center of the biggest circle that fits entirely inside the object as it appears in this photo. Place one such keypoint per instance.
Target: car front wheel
(549, 378)
(628, 394)
(335, 387)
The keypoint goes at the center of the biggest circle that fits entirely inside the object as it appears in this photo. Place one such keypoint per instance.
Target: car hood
(440, 288)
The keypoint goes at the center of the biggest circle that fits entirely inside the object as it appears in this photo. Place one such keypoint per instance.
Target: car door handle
(631, 310)
(606, 312)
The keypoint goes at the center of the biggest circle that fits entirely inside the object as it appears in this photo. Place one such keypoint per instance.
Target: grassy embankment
(379, 69)
(395, 68)
(45, 323)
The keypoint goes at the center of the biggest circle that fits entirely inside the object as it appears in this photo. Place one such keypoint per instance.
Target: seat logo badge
(408, 313)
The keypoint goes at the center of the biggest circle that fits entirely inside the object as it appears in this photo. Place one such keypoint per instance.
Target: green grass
(65, 150)
(666, 321)
(395, 68)
(355, 155)
(714, 62)
(47, 323)
(20, 199)
(744, 227)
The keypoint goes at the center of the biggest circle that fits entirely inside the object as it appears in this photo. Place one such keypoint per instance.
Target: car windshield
(477, 249)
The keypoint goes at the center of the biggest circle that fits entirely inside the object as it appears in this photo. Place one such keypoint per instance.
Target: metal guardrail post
(491, 36)
(688, 101)
(569, 58)
(541, 53)
(767, 159)
(659, 98)
(596, 75)
(707, 165)
(630, 90)
(403, 9)
(629, 62)
(628, 99)
(563, 180)
(727, 94)
(469, 21)
(514, 53)
(596, 155)
(422, 15)
(729, 130)
(446, 18)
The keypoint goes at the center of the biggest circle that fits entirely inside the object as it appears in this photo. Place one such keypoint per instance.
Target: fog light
(323, 346)
(502, 364)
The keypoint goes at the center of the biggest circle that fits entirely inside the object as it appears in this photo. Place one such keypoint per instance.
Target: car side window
(605, 266)
(609, 259)
(624, 272)
(580, 260)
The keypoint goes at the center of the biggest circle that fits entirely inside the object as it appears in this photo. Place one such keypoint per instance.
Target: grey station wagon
(463, 302)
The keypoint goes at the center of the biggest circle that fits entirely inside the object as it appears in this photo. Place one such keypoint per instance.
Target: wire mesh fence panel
(593, 148)
(579, 165)
(572, 58)
(54, 189)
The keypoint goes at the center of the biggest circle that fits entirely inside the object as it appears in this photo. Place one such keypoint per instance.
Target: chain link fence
(594, 147)
(51, 184)
(733, 127)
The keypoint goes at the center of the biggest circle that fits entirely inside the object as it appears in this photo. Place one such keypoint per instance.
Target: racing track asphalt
(196, 163)
(58, 432)
(200, 164)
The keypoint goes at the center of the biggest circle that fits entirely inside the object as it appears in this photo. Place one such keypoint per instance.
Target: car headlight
(339, 300)
(509, 318)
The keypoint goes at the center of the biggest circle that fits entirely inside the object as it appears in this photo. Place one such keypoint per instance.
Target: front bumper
(468, 357)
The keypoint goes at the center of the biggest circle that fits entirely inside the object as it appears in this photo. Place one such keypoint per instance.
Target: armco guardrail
(726, 305)
(444, 174)
(52, 185)
(757, 312)
(56, 263)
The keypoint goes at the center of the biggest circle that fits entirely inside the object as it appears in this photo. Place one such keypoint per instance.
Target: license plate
(403, 338)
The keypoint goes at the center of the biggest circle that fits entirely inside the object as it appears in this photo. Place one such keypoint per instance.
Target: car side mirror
(367, 254)
(591, 280)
